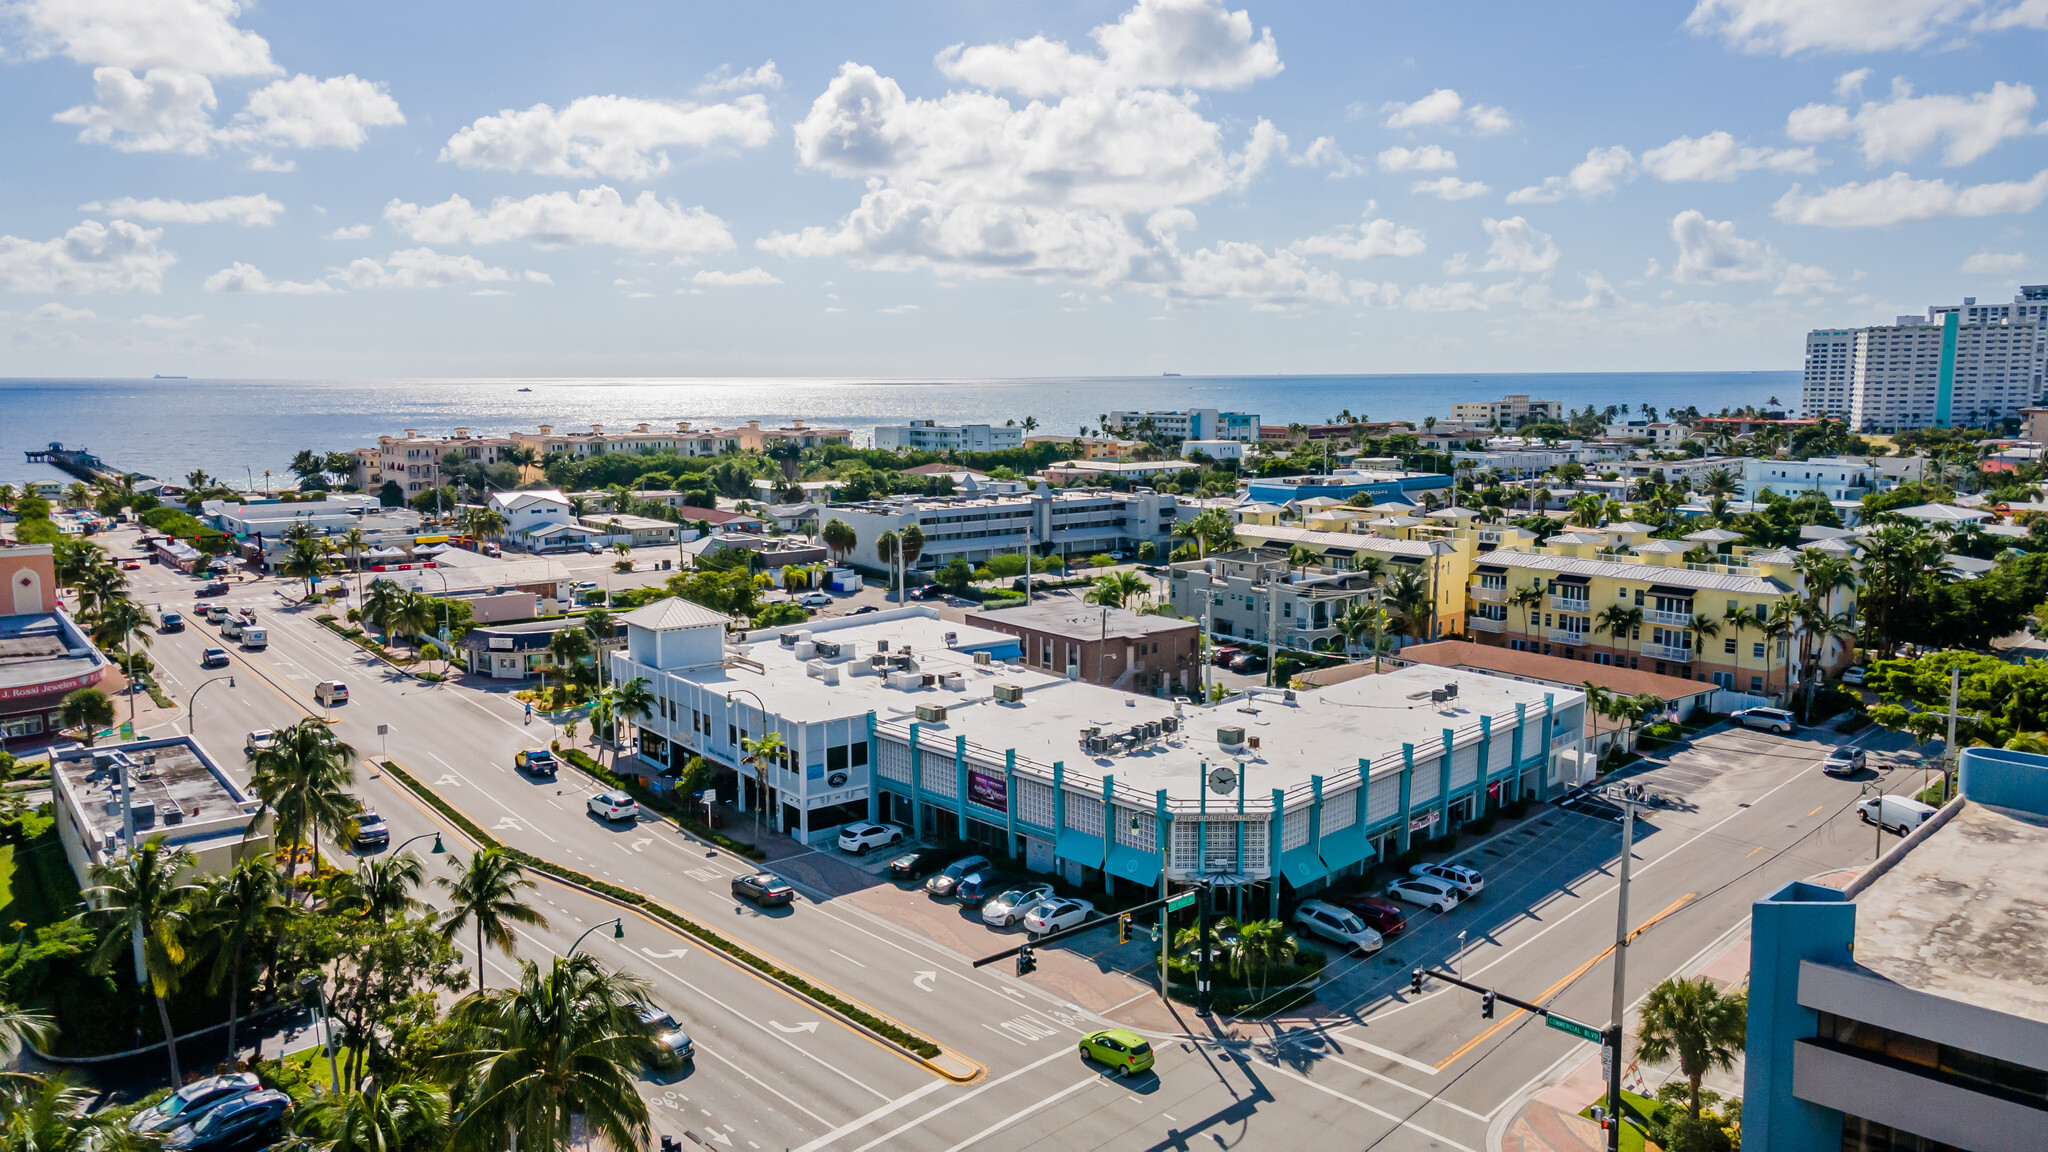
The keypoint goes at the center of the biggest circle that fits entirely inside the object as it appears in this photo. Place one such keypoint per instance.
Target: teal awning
(1133, 865)
(1302, 867)
(1079, 847)
(1345, 847)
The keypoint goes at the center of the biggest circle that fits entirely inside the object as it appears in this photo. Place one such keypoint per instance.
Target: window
(1756, 683)
(1756, 651)
(1728, 647)
(1294, 830)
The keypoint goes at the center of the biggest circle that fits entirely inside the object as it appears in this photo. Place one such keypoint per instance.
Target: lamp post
(760, 772)
(618, 926)
(311, 983)
(191, 718)
(438, 848)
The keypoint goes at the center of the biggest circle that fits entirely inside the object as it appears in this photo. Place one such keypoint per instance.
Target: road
(1371, 1066)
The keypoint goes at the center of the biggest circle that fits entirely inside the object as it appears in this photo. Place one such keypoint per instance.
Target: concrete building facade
(932, 436)
(1113, 647)
(1073, 521)
(1959, 365)
(1190, 424)
(1510, 411)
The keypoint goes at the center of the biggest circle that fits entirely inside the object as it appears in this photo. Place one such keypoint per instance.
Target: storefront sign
(52, 688)
(988, 790)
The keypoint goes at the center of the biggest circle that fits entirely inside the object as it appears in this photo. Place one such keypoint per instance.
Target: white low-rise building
(932, 436)
(1068, 522)
(1836, 477)
(1214, 449)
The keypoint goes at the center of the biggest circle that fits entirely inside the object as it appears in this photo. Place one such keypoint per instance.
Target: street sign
(1184, 900)
(1582, 1031)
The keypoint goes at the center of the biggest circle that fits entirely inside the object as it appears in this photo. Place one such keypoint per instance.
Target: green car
(1120, 1048)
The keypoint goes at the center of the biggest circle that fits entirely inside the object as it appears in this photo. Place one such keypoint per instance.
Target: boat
(526, 389)
(161, 376)
(1169, 373)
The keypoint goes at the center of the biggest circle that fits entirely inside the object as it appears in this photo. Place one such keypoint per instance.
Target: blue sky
(322, 189)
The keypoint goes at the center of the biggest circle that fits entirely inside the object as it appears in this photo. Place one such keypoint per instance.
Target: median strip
(925, 1050)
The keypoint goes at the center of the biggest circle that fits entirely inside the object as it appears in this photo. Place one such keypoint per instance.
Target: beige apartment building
(417, 463)
(1509, 410)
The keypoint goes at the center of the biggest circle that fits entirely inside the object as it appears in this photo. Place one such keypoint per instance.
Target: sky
(971, 189)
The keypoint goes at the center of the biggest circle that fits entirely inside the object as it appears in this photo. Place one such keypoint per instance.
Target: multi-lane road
(1367, 1066)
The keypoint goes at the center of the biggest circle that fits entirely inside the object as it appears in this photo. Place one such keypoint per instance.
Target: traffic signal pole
(1620, 1008)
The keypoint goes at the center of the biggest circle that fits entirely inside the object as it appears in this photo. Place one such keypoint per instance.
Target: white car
(814, 600)
(1427, 891)
(1770, 719)
(1334, 923)
(1057, 914)
(615, 805)
(261, 740)
(859, 838)
(1009, 906)
(1854, 677)
(1466, 881)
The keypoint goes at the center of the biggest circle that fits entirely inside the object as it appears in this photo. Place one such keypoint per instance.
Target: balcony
(1567, 636)
(1482, 624)
(1682, 619)
(1571, 604)
(1491, 595)
(1665, 652)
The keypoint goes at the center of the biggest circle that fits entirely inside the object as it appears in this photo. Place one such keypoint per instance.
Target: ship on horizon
(161, 376)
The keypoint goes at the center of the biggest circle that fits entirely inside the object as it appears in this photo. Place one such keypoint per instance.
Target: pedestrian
(529, 712)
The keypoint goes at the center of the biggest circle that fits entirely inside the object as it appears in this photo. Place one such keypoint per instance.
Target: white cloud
(898, 309)
(1789, 27)
(1157, 44)
(1996, 264)
(306, 113)
(240, 277)
(164, 110)
(1899, 198)
(1599, 295)
(91, 259)
(490, 292)
(1901, 128)
(615, 136)
(255, 211)
(1372, 239)
(55, 313)
(557, 219)
(1851, 83)
(1599, 174)
(1450, 188)
(748, 278)
(1269, 281)
(1716, 156)
(534, 276)
(196, 36)
(1518, 247)
(1428, 158)
(1709, 252)
(419, 268)
(725, 80)
(1804, 280)
(1444, 108)
(1322, 152)
(352, 232)
(167, 323)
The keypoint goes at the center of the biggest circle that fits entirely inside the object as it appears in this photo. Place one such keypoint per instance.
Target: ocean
(238, 429)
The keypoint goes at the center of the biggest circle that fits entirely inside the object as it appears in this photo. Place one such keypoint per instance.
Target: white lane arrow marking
(924, 980)
(641, 845)
(806, 1026)
(678, 954)
(721, 1137)
(448, 780)
(508, 823)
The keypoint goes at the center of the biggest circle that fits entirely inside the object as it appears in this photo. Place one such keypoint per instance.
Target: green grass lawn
(36, 884)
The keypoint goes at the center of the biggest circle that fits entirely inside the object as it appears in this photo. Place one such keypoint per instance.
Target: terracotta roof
(1524, 666)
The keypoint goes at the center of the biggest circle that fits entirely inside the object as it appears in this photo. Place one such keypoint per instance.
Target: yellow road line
(1816, 809)
(1755, 850)
(1543, 996)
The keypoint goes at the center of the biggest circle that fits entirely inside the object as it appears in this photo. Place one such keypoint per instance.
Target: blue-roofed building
(1345, 483)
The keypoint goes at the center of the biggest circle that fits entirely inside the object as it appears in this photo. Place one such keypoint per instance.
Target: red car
(1381, 915)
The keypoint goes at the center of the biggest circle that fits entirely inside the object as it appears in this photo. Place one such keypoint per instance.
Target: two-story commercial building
(1835, 477)
(44, 654)
(1253, 595)
(1067, 522)
(171, 787)
(1114, 647)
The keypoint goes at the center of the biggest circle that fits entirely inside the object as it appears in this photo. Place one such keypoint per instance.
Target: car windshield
(1351, 924)
(1013, 896)
(1140, 1048)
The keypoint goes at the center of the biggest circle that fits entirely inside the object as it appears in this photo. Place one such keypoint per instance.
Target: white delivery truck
(1899, 814)
(254, 637)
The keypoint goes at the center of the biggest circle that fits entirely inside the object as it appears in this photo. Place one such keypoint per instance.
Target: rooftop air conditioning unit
(983, 659)
(1010, 693)
(1253, 741)
(881, 645)
(805, 649)
(952, 638)
(931, 713)
(1170, 725)
(1230, 737)
(788, 639)
(954, 681)
(878, 661)
(826, 649)
(929, 679)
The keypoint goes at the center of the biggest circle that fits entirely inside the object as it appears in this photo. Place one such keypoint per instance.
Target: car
(535, 762)
(1854, 677)
(918, 861)
(1056, 914)
(330, 692)
(1247, 662)
(188, 1104)
(203, 609)
(261, 740)
(1769, 719)
(672, 1045)
(615, 805)
(215, 613)
(1844, 761)
(1381, 915)
(586, 585)
(1338, 924)
(213, 588)
(370, 830)
(1007, 907)
(1900, 814)
(863, 610)
(1428, 891)
(214, 658)
(593, 549)
(763, 888)
(814, 600)
(978, 886)
(171, 622)
(248, 1121)
(1466, 881)
(860, 838)
(1120, 1048)
(1221, 657)
(131, 565)
(947, 882)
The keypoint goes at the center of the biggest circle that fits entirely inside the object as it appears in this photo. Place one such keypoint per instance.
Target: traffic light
(1123, 928)
(1600, 1117)
(1026, 962)
(1486, 1005)
(1415, 983)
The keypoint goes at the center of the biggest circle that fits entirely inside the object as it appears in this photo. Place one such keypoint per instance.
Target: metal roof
(1643, 573)
(674, 612)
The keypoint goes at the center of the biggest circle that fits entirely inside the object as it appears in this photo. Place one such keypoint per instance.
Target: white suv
(1466, 881)
(1334, 923)
(615, 805)
(859, 838)
(1770, 719)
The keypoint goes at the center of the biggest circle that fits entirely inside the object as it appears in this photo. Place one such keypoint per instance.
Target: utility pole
(1955, 687)
(1272, 626)
(1027, 565)
(1202, 995)
(128, 842)
(1614, 1031)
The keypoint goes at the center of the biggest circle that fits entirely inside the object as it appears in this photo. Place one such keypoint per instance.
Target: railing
(1570, 604)
(1567, 636)
(1484, 624)
(1682, 619)
(1492, 595)
(1664, 652)
(1729, 569)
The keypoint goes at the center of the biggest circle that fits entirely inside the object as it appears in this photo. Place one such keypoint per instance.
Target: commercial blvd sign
(1582, 1031)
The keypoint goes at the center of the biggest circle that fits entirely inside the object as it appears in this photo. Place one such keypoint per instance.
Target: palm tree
(18, 1030)
(56, 1114)
(1776, 624)
(354, 543)
(1696, 1022)
(99, 583)
(137, 902)
(409, 1116)
(120, 622)
(1598, 702)
(1261, 946)
(598, 623)
(381, 889)
(564, 1042)
(1588, 510)
(303, 777)
(231, 911)
(839, 536)
(87, 710)
(1358, 622)
(761, 752)
(567, 648)
(1621, 621)
(1408, 596)
(305, 560)
(1703, 629)
(626, 702)
(380, 603)
(485, 893)
(412, 617)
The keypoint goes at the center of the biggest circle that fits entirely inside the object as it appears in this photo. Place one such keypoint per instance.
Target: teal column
(1315, 820)
(1274, 853)
(960, 785)
(874, 774)
(1543, 765)
(1364, 788)
(916, 786)
(1479, 784)
(1059, 808)
(1443, 795)
(1945, 392)
(1521, 722)
(1108, 831)
(1407, 786)
(1010, 801)
(1165, 935)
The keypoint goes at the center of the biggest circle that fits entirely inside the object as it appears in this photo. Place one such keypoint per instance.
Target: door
(1038, 854)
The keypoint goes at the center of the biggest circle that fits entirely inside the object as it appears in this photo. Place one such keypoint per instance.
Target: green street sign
(1582, 1031)
(1184, 900)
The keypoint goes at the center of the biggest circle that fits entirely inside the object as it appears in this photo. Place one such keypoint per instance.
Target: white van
(254, 637)
(1899, 814)
(330, 692)
(231, 626)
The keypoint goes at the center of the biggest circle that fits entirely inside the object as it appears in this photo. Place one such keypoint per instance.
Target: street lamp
(760, 771)
(618, 924)
(311, 983)
(191, 718)
(438, 849)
